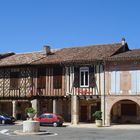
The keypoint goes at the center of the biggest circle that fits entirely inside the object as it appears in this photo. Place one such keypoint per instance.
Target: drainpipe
(103, 95)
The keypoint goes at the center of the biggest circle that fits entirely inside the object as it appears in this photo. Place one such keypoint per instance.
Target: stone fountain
(30, 125)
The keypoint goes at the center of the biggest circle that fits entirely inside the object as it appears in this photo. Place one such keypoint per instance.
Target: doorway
(83, 112)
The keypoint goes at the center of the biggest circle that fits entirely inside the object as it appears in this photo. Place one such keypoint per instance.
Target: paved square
(71, 133)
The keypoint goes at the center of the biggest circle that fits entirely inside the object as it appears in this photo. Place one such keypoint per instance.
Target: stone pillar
(102, 90)
(107, 123)
(103, 109)
(107, 115)
(74, 110)
(14, 108)
(35, 106)
(54, 106)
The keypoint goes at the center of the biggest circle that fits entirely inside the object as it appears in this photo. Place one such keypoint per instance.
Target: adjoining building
(74, 82)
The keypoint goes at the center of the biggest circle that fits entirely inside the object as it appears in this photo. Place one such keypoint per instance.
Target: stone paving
(114, 126)
(92, 125)
(70, 132)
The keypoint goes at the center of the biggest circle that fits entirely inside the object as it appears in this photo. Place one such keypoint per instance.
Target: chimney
(47, 49)
(123, 41)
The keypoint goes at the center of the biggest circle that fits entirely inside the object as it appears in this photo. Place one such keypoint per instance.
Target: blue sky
(27, 25)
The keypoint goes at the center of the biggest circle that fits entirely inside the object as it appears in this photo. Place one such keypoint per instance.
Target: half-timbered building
(73, 82)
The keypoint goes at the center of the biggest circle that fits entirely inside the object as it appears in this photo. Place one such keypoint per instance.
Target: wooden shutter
(117, 84)
(133, 82)
(138, 81)
(76, 77)
(92, 81)
(14, 80)
(113, 79)
(57, 81)
(57, 77)
(41, 79)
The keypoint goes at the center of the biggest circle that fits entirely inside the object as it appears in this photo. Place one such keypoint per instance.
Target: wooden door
(83, 113)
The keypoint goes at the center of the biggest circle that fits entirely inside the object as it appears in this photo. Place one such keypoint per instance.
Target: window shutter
(14, 80)
(91, 77)
(41, 78)
(113, 79)
(117, 82)
(138, 81)
(57, 77)
(76, 77)
(133, 82)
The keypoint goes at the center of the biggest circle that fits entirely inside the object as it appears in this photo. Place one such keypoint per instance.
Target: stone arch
(124, 98)
(111, 101)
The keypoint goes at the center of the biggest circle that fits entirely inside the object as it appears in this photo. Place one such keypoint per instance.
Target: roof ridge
(30, 52)
(135, 49)
(92, 45)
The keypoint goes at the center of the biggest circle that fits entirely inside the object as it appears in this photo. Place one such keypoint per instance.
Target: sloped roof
(3, 55)
(65, 55)
(21, 59)
(78, 54)
(128, 55)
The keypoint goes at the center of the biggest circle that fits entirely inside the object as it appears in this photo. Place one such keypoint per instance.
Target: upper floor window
(57, 77)
(135, 81)
(14, 80)
(84, 77)
(41, 78)
(115, 82)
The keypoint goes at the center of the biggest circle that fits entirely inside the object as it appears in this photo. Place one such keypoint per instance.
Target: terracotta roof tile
(3, 55)
(128, 55)
(65, 55)
(86, 53)
(21, 59)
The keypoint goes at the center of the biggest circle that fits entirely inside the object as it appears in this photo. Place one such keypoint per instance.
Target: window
(49, 116)
(57, 77)
(84, 77)
(43, 116)
(115, 82)
(14, 80)
(41, 78)
(135, 81)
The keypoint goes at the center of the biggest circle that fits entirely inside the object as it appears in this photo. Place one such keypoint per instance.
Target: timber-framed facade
(73, 82)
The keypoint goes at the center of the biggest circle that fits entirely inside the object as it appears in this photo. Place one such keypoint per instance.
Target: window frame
(41, 78)
(14, 80)
(84, 70)
(57, 77)
(115, 85)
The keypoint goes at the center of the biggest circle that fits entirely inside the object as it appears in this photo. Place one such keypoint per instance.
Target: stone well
(30, 126)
